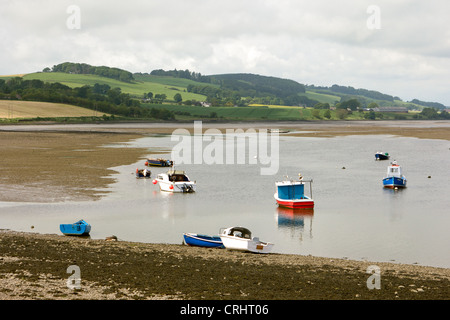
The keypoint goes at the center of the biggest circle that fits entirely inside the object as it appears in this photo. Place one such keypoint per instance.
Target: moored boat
(201, 240)
(240, 238)
(175, 181)
(394, 177)
(159, 162)
(291, 194)
(79, 228)
(381, 156)
(143, 173)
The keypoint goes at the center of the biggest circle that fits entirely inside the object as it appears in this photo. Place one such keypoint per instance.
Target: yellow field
(31, 109)
(13, 75)
(270, 105)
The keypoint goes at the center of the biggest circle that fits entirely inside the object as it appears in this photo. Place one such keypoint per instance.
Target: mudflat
(34, 266)
(49, 163)
(60, 166)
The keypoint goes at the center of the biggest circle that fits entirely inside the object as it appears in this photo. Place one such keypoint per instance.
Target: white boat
(175, 181)
(240, 238)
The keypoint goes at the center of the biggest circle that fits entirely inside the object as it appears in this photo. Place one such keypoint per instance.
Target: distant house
(391, 109)
(205, 104)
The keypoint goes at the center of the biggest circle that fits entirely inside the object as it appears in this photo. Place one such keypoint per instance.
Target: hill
(219, 89)
(182, 94)
(84, 68)
(137, 88)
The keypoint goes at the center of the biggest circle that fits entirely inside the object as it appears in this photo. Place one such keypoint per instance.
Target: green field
(258, 113)
(321, 97)
(143, 84)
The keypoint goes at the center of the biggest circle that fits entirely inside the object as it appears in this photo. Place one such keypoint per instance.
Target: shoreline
(422, 129)
(34, 267)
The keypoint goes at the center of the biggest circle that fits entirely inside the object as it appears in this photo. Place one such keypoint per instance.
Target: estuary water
(354, 216)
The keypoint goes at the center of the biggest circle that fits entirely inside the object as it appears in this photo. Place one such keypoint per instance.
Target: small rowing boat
(79, 228)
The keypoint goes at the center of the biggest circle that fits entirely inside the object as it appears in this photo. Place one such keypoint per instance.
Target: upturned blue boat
(394, 178)
(79, 228)
(201, 240)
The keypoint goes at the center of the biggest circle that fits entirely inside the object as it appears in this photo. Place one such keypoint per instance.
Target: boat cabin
(174, 176)
(291, 190)
(239, 232)
(177, 176)
(394, 170)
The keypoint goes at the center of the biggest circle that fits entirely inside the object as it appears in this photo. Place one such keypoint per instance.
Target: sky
(400, 47)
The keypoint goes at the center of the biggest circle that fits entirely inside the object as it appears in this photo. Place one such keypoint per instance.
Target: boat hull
(306, 203)
(158, 163)
(394, 182)
(75, 229)
(199, 240)
(240, 238)
(247, 245)
(379, 156)
(176, 187)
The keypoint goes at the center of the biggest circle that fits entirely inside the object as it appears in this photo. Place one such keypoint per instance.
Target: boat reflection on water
(293, 220)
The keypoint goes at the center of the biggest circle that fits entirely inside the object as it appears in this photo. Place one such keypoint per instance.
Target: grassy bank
(270, 113)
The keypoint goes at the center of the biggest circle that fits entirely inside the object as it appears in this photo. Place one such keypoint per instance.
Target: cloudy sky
(399, 47)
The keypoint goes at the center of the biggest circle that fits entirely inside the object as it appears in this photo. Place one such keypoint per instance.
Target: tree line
(184, 74)
(241, 89)
(436, 105)
(347, 90)
(83, 68)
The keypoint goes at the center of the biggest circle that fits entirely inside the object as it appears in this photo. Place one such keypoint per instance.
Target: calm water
(354, 216)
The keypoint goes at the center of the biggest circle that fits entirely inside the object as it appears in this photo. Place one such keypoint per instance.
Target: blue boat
(381, 156)
(394, 178)
(158, 162)
(79, 228)
(201, 240)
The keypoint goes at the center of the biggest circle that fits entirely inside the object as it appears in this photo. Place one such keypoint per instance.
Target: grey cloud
(316, 42)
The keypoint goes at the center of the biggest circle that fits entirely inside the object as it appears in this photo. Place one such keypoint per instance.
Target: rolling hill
(136, 88)
(119, 92)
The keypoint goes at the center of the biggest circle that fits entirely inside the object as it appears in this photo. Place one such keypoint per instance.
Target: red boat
(291, 194)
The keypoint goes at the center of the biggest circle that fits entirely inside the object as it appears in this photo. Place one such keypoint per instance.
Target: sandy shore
(60, 166)
(59, 163)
